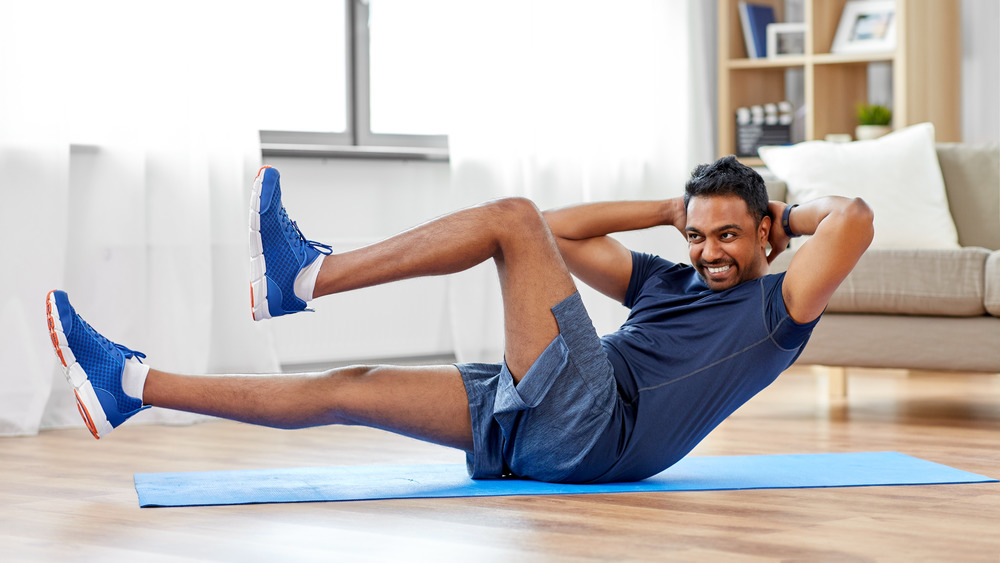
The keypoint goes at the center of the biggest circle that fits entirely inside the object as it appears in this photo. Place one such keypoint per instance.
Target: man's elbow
(860, 218)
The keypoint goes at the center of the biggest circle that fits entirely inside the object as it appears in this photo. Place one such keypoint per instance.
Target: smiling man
(701, 340)
(564, 404)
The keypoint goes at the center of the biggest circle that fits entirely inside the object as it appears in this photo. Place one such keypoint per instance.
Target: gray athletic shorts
(544, 428)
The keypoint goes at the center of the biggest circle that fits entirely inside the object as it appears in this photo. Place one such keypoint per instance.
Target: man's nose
(712, 251)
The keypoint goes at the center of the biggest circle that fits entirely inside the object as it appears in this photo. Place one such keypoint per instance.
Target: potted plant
(873, 121)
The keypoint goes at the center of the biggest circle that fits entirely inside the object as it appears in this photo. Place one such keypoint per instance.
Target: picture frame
(867, 26)
(786, 40)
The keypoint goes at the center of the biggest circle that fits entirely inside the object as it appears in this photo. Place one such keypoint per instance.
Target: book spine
(747, 30)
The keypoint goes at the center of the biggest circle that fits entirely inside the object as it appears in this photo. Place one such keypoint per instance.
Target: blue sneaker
(93, 365)
(278, 251)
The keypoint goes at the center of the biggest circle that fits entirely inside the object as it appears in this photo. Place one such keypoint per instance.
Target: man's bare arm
(597, 259)
(842, 229)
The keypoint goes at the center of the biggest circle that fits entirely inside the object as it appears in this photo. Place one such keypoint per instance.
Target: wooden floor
(65, 496)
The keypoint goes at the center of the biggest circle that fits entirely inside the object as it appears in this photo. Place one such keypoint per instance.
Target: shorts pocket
(535, 384)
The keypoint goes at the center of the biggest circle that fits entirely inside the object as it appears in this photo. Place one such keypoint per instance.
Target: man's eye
(728, 236)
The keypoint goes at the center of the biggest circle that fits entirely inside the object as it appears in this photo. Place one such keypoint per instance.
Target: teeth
(718, 270)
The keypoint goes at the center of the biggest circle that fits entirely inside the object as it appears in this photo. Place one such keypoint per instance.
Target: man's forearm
(805, 219)
(590, 220)
(842, 229)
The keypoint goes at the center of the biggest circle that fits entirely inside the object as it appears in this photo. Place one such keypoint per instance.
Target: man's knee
(519, 215)
(341, 389)
(339, 379)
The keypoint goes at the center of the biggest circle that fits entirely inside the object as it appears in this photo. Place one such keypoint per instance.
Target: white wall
(981, 71)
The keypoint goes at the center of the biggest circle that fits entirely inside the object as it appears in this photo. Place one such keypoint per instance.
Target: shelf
(779, 62)
(925, 71)
(832, 59)
(751, 161)
(803, 60)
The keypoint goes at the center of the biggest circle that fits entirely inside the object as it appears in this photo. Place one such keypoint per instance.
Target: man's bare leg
(424, 402)
(533, 276)
(111, 385)
(428, 403)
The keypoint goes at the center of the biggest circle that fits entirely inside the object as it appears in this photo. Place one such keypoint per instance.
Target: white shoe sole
(258, 285)
(86, 400)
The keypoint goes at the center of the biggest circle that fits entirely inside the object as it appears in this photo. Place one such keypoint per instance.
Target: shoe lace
(129, 353)
(292, 227)
(112, 346)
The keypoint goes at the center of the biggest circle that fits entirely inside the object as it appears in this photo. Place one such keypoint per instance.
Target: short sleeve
(785, 332)
(644, 267)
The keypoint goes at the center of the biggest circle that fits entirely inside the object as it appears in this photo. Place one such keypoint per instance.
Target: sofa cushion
(898, 175)
(912, 282)
(992, 299)
(972, 179)
(776, 189)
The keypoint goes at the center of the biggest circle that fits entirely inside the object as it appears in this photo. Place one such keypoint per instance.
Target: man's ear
(764, 230)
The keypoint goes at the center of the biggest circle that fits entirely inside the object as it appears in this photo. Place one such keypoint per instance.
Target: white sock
(305, 281)
(134, 378)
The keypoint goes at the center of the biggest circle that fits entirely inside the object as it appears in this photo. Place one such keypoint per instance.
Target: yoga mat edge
(326, 484)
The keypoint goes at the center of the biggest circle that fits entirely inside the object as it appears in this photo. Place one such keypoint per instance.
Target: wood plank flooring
(65, 496)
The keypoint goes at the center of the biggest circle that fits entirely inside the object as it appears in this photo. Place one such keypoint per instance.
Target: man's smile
(719, 275)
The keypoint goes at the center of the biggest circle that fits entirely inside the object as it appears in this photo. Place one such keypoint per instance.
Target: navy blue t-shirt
(687, 357)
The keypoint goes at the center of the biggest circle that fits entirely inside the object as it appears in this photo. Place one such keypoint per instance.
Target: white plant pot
(868, 132)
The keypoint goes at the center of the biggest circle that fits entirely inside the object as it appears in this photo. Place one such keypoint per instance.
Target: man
(565, 405)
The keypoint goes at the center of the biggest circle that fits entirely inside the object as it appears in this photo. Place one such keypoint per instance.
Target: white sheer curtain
(126, 157)
(573, 101)
(127, 142)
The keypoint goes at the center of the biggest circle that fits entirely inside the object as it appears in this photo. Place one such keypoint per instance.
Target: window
(377, 91)
(297, 90)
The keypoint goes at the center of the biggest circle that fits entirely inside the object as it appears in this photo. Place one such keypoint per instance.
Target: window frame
(358, 141)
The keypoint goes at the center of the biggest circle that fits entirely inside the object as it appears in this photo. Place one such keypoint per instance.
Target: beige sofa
(923, 309)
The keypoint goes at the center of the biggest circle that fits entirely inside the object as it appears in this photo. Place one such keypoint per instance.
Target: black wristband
(784, 221)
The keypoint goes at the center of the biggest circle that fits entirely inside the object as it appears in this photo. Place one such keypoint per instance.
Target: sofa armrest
(991, 298)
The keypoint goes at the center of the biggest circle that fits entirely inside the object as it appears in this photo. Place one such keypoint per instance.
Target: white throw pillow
(898, 175)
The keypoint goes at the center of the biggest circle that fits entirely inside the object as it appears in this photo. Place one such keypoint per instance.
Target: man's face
(725, 246)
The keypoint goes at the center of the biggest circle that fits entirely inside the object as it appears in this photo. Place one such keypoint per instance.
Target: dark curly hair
(727, 176)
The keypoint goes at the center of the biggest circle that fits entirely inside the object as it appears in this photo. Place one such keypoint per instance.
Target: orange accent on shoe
(52, 328)
(262, 169)
(86, 415)
(253, 306)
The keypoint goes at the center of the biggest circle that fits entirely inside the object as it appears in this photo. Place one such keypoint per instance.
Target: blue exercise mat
(363, 482)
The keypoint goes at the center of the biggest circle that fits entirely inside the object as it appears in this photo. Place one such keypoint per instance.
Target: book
(755, 18)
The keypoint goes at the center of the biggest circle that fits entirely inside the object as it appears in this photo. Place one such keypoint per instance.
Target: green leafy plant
(874, 115)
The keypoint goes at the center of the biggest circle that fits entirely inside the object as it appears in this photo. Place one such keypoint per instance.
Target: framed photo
(786, 39)
(866, 27)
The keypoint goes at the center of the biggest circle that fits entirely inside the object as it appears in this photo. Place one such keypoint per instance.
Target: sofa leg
(836, 378)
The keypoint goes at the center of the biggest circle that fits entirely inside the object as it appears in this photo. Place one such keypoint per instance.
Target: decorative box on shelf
(751, 137)
(758, 126)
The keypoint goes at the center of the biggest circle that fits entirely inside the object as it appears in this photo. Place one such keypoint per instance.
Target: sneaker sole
(258, 284)
(86, 400)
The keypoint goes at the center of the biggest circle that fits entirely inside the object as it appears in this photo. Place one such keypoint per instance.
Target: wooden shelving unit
(926, 70)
